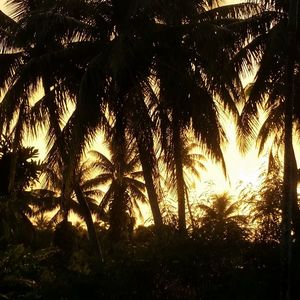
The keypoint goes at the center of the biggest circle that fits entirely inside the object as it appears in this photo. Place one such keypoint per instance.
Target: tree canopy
(153, 78)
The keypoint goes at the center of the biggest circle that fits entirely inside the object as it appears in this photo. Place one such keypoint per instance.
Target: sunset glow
(149, 149)
(241, 168)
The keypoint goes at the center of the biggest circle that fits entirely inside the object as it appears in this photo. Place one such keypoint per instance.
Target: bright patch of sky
(3, 7)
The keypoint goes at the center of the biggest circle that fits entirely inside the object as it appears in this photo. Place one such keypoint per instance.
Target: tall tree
(275, 82)
(146, 41)
(31, 41)
(192, 165)
(194, 39)
(125, 186)
(83, 201)
(35, 42)
(117, 79)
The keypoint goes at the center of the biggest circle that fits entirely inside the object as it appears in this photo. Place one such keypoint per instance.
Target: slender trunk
(286, 225)
(150, 186)
(287, 203)
(57, 132)
(89, 221)
(118, 218)
(143, 133)
(295, 260)
(12, 189)
(190, 209)
(295, 207)
(65, 202)
(119, 204)
(177, 147)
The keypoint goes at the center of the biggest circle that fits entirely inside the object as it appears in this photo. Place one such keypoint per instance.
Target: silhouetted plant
(120, 203)
(222, 220)
(15, 206)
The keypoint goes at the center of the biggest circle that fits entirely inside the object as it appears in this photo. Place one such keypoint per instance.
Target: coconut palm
(33, 41)
(221, 220)
(116, 79)
(107, 75)
(83, 201)
(35, 44)
(125, 187)
(189, 81)
(276, 82)
(134, 57)
(192, 164)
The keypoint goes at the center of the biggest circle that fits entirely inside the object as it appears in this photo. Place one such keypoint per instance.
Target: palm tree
(134, 51)
(277, 56)
(33, 51)
(125, 187)
(83, 201)
(117, 79)
(222, 221)
(192, 164)
(36, 45)
(189, 80)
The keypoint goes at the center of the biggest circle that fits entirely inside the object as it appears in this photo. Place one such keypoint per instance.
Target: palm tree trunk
(295, 207)
(287, 203)
(65, 202)
(57, 132)
(188, 203)
(89, 221)
(143, 133)
(295, 259)
(118, 217)
(150, 186)
(13, 166)
(119, 203)
(177, 147)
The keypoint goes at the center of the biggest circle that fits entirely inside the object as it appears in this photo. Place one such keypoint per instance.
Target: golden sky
(3, 7)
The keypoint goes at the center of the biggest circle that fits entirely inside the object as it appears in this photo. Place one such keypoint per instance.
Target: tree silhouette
(15, 210)
(187, 98)
(192, 164)
(222, 221)
(276, 80)
(83, 201)
(33, 52)
(266, 212)
(125, 188)
(141, 49)
(116, 78)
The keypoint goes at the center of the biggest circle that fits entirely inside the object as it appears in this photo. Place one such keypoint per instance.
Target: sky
(241, 169)
(3, 7)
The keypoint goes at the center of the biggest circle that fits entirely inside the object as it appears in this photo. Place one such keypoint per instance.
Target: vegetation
(153, 79)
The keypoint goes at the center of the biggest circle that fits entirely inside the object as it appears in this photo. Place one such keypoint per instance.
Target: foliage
(266, 211)
(125, 188)
(140, 71)
(221, 220)
(20, 271)
(16, 203)
(28, 168)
